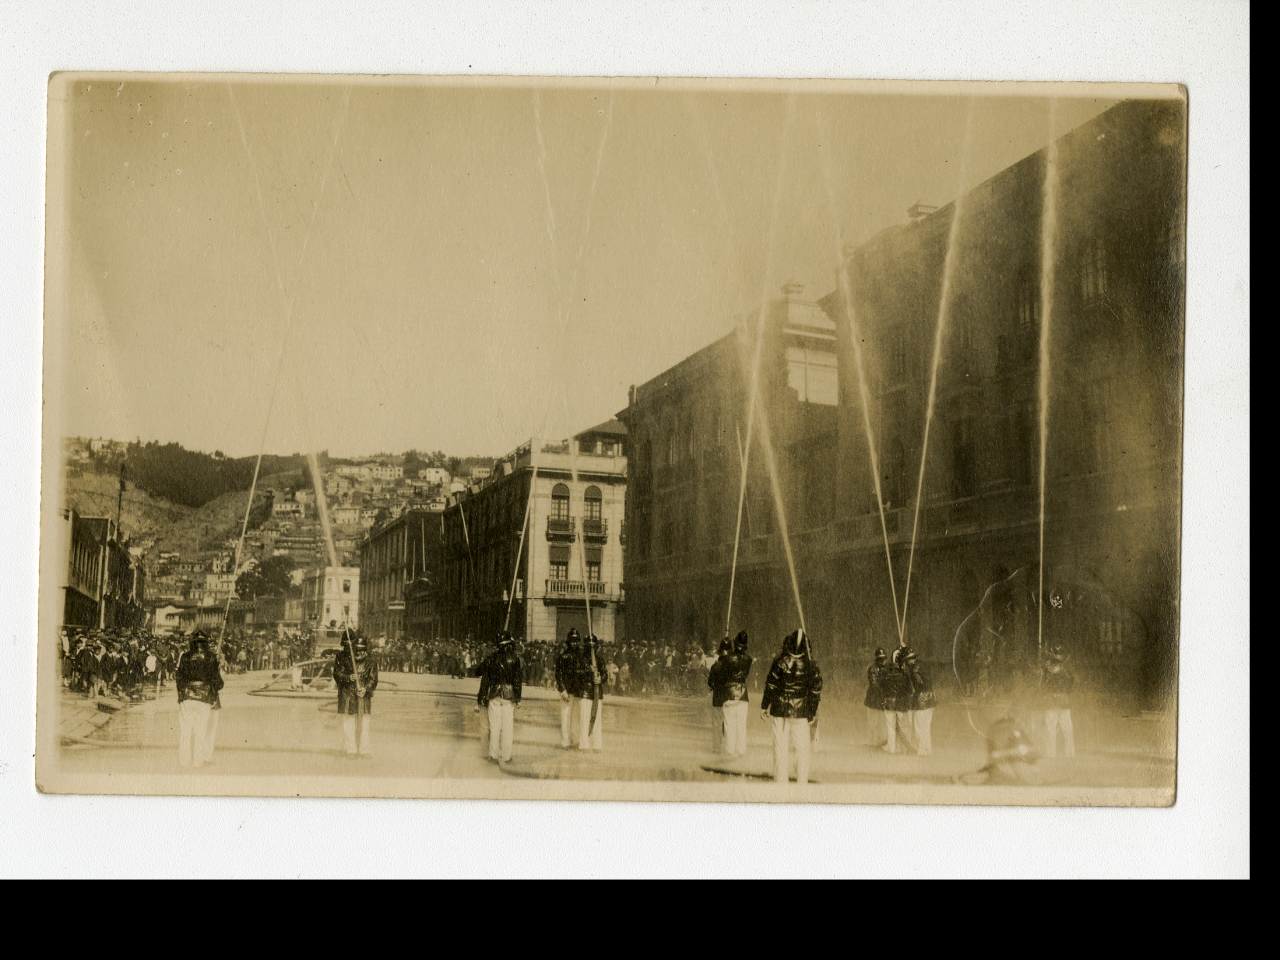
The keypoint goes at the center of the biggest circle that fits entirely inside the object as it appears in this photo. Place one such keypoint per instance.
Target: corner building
(1113, 438)
(573, 547)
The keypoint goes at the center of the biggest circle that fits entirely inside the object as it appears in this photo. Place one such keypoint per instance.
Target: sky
(376, 266)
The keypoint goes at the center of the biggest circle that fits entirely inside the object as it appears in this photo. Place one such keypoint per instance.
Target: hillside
(173, 526)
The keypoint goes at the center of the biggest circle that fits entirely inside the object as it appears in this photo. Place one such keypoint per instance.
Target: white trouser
(587, 737)
(210, 736)
(797, 731)
(1053, 719)
(568, 716)
(923, 726)
(349, 733)
(875, 726)
(193, 719)
(892, 720)
(502, 715)
(735, 728)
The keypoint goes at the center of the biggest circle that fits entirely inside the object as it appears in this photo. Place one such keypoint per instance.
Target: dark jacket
(1056, 684)
(566, 669)
(588, 679)
(793, 688)
(895, 690)
(874, 699)
(501, 676)
(922, 695)
(198, 677)
(728, 678)
(349, 677)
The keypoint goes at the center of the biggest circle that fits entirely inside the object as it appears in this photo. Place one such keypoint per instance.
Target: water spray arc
(864, 394)
(1048, 235)
(288, 323)
(948, 269)
(754, 392)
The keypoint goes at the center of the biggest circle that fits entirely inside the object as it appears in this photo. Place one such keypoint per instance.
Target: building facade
(1112, 443)
(399, 565)
(103, 588)
(331, 599)
(573, 544)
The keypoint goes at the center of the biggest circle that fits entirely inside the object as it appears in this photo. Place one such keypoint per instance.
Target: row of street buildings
(634, 523)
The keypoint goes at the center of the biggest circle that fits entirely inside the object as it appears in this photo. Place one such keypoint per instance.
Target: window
(346, 610)
(559, 562)
(896, 365)
(593, 556)
(673, 447)
(812, 375)
(346, 586)
(560, 502)
(963, 462)
(1028, 303)
(592, 503)
(1093, 271)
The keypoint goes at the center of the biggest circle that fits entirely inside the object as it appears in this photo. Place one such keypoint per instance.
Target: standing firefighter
(728, 682)
(590, 684)
(199, 681)
(500, 687)
(566, 685)
(356, 675)
(1056, 684)
(874, 700)
(923, 700)
(717, 680)
(896, 691)
(790, 704)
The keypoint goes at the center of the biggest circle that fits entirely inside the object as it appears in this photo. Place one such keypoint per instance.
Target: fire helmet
(740, 642)
(573, 636)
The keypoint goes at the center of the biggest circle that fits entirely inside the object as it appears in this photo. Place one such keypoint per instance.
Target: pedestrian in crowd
(897, 703)
(590, 683)
(355, 674)
(198, 681)
(874, 700)
(790, 704)
(923, 700)
(1056, 686)
(501, 677)
(567, 685)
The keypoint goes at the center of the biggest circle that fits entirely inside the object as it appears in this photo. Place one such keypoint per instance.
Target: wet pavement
(427, 727)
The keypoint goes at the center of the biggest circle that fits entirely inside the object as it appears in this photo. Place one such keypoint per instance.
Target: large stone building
(399, 573)
(573, 545)
(1113, 445)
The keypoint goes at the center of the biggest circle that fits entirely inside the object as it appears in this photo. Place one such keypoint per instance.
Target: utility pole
(120, 499)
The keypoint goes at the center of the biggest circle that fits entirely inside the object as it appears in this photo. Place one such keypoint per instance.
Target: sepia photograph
(612, 439)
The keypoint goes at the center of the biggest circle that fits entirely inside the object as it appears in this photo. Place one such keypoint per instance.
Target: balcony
(595, 530)
(576, 591)
(561, 528)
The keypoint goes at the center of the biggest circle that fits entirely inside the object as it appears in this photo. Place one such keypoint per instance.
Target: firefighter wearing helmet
(355, 672)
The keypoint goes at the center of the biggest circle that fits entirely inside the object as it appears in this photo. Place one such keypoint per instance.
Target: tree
(270, 578)
(412, 463)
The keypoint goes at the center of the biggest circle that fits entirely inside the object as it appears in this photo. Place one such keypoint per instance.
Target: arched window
(592, 503)
(560, 502)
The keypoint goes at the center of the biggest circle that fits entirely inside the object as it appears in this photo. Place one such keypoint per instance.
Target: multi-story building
(1112, 477)
(104, 588)
(399, 565)
(384, 471)
(434, 475)
(331, 599)
(573, 545)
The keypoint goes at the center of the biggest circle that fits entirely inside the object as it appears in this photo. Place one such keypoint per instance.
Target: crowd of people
(116, 663)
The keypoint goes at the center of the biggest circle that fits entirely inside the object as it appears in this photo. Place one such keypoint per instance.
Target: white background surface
(1201, 44)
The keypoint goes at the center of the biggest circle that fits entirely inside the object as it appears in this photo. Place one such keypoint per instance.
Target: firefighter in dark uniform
(566, 684)
(790, 704)
(199, 681)
(355, 673)
(874, 700)
(590, 693)
(501, 677)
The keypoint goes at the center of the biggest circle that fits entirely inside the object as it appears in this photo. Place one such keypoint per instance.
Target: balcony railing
(577, 589)
(595, 529)
(560, 528)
